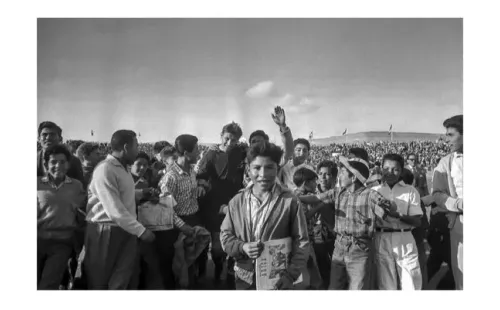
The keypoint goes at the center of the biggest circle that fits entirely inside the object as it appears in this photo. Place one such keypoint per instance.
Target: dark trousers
(154, 264)
(439, 242)
(52, 262)
(324, 253)
(350, 267)
(110, 257)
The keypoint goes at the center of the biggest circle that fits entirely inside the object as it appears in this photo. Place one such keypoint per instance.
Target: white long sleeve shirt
(112, 197)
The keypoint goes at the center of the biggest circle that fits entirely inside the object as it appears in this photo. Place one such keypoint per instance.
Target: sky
(166, 77)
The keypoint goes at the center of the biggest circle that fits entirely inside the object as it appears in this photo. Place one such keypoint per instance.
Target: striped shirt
(183, 186)
(355, 212)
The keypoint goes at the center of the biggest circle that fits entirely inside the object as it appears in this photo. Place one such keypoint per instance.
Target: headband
(344, 161)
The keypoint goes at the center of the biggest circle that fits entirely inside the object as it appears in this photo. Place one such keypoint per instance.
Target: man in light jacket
(264, 211)
(448, 193)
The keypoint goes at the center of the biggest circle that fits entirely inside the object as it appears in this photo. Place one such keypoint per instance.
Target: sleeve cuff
(285, 129)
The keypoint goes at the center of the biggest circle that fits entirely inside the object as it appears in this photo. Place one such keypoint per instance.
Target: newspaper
(274, 259)
(157, 217)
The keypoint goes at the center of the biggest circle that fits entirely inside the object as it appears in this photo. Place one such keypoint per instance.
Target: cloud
(261, 90)
(293, 104)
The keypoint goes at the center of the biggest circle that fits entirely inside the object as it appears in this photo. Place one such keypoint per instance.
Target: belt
(392, 230)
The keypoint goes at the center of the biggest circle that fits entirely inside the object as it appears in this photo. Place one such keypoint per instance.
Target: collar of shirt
(400, 183)
(458, 155)
(113, 160)
(48, 180)
(175, 167)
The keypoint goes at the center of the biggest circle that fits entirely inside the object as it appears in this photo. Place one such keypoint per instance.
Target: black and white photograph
(197, 155)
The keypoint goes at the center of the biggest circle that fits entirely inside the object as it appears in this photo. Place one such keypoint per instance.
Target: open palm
(279, 116)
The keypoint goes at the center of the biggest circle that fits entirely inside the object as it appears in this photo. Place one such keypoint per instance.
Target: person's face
(193, 156)
(345, 179)
(168, 160)
(131, 151)
(454, 139)
(57, 166)
(94, 157)
(412, 161)
(301, 152)
(326, 180)
(139, 167)
(391, 172)
(228, 140)
(49, 137)
(257, 140)
(263, 171)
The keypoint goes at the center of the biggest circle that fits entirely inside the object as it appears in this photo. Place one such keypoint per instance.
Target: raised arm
(286, 135)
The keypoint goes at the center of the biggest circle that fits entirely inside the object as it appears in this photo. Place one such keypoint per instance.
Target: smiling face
(49, 137)
(391, 172)
(228, 140)
(57, 166)
(345, 177)
(326, 180)
(263, 172)
(300, 152)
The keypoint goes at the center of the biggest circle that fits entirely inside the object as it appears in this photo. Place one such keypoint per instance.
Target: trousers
(110, 257)
(396, 261)
(52, 262)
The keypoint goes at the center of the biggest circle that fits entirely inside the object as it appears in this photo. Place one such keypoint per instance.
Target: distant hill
(375, 136)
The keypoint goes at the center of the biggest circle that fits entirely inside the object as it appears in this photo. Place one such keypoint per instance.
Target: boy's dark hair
(395, 157)
(142, 154)
(74, 144)
(54, 150)
(265, 149)
(50, 125)
(456, 122)
(363, 170)
(168, 151)
(258, 133)
(85, 149)
(233, 128)
(120, 138)
(359, 152)
(160, 145)
(407, 176)
(330, 165)
(303, 175)
(185, 143)
(302, 141)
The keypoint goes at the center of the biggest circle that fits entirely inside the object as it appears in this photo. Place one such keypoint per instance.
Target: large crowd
(124, 215)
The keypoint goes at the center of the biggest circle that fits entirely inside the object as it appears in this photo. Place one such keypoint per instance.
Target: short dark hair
(120, 138)
(50, 125)
(143, 155)
(330, 165)
(395, 157)
(74, 144)
(265, 149)
(160, 145)
(54, 150)
(359, 152)
(233, 128)
(363, 170)
(415, 155)
(303, 175)
(302, 141)
(85, 149)
(258, 133)
(168, 151)
(185, 143)
(407, 176)
(456, 122)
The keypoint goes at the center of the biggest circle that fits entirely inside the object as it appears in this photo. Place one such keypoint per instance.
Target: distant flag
(92, 132)
(311, 135)
(139, 134)
(345, 132)
(390, 130)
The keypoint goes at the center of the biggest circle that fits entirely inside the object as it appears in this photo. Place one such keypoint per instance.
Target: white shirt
(287, 171)
(112, 197)
(457, 173)
(407, 200)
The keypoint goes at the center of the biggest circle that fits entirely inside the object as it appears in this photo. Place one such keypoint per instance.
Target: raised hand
(279, 116)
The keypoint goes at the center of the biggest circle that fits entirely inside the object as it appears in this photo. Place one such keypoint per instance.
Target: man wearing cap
(447, 191)
(356, 209)
(396, 256)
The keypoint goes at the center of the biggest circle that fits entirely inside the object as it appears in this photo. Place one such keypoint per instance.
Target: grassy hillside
(374, 136)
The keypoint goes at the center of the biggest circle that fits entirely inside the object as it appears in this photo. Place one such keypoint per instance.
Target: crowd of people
(121, 215)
